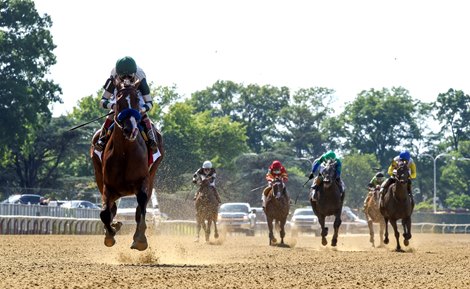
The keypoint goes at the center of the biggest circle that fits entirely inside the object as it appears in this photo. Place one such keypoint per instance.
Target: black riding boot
(103, 139)
(152, 140)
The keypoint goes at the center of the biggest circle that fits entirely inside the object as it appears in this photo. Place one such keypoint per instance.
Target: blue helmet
(405, 155)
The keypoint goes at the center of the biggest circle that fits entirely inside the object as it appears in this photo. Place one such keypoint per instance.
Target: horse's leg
(216, 233)
(407, 230)
(198, 227)
(336, 225)
(106, 216)
(283, 232)
(381, 234)
(386, 231)
(397, 234)
(370, 224)
(208, 231)
(272, 240)
(324, 230)
(116, 225)
(140, 241)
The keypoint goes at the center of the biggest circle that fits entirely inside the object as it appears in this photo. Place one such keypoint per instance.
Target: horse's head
(127, 108)
(278, 188)
(403, 172)
(329, 173)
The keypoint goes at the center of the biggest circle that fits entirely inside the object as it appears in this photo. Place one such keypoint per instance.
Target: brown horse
(329, 202)
(277, 208)
(373, 215)
(397, 204)
(207, 209)
(123, 168)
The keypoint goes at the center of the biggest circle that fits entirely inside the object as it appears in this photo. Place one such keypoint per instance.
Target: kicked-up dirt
(58, 261)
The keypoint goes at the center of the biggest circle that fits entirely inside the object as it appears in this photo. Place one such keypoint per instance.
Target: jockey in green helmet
(126, 69)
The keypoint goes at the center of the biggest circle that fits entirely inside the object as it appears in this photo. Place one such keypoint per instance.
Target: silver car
(127, 205)
(237, 217)
(304, 220)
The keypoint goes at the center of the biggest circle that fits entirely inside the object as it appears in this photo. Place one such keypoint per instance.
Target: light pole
(435, 173)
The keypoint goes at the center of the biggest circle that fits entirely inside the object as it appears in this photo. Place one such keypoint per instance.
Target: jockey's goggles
(277, 171)
(127, 76)
(207, 170)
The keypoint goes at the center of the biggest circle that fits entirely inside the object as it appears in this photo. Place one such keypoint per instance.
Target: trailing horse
(123, 168)
(397, 204)
(329, 202)
(277, 208)
(373, 215)
(207, 208)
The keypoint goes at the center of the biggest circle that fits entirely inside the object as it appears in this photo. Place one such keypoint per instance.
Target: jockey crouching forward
(275, 171)
(318, 164)
(206, 172)
(126, 70)
(404, 156)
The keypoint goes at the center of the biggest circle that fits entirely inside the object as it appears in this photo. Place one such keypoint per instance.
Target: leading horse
(397, 204)
(207, 209)
(329, 202)
(277, 208)
(123, 168)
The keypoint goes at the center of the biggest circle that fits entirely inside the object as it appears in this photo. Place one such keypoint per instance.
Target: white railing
(49, 211)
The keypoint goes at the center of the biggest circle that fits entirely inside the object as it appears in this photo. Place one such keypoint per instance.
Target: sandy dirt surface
(431, 261)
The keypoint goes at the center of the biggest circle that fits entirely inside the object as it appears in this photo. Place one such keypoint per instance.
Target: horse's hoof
(274, 240)
(406, 242)
(324, 242)
(109, 242)
(141, 246)
(399, 250)
(333, 243)
(216, 235)
(386, 241)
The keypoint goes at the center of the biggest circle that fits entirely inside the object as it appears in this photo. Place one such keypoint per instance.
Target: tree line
(241, 128)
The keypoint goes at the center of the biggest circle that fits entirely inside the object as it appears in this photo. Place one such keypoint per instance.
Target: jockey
(392, 169)
(374, 183)
(126, 68)
(318, 164)
(275, 171)
(206, 172)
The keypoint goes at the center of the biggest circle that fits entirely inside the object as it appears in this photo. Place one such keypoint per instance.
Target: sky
(345, 45)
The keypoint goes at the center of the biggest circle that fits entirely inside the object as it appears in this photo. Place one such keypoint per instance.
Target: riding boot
(410, 192)
(104, 135)
(195, 195)
(152, 140)
(314, 193)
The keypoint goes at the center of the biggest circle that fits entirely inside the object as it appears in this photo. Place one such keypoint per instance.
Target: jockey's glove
(310, 176)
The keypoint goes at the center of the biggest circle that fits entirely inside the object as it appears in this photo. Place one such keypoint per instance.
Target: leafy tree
(190, 138)
(381, 122)
(358, 170)
(37, 161)
(304, 118)
(257, 107)
(453, 111)
(25, 57)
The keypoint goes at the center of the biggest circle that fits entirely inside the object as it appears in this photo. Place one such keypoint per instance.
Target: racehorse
(397, 204)
(123, 168)
(373, 215)
(329, 202)
(277, 208)
(207, 209)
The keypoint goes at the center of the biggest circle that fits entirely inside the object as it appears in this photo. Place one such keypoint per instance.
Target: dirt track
(431, 261)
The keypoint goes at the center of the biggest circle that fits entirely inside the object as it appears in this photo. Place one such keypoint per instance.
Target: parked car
(237, 217)
(127, 205)
(23, 199)
(304, 220)
(79, 204)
